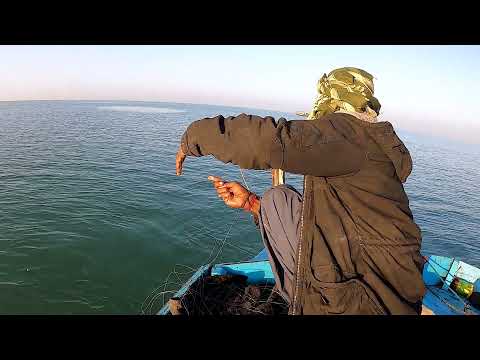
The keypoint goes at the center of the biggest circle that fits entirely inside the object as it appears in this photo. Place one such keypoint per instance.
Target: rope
(244, 181)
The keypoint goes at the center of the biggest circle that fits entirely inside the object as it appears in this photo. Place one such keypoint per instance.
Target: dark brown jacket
(359, 251)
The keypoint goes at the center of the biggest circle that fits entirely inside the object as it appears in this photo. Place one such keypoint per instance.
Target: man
(349, 244)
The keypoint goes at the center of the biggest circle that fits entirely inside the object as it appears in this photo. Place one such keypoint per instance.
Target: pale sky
(425, 89)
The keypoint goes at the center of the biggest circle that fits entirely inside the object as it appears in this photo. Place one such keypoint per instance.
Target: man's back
(359, 231)
(359, 248)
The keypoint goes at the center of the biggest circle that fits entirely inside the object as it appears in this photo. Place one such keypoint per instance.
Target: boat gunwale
(261, 257)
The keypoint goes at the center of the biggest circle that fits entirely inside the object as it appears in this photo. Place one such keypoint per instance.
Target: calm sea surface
(93, 219)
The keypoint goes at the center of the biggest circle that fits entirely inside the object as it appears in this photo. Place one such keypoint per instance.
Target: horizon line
(421, 133)
(159, 101)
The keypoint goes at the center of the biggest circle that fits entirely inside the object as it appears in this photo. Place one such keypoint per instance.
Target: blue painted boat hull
(438, 273)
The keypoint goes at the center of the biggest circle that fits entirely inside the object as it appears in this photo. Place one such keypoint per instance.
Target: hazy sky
(427, 89)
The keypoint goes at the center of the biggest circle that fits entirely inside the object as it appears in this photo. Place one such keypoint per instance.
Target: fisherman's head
(349, 89)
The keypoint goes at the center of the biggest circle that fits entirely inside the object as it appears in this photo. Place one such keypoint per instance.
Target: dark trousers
(279, 221)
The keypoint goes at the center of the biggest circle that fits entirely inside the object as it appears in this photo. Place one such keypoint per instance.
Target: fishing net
(222, 238)
(228, 295)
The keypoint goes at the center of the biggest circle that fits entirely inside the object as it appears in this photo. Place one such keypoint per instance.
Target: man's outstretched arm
(253, 142)
(245, 140)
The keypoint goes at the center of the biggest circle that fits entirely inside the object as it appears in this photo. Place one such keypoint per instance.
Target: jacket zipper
(299, 249)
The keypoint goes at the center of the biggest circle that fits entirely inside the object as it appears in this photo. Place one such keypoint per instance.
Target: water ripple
(93, 218)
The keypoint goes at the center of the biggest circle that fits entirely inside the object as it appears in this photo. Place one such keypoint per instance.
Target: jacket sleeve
(253, 142)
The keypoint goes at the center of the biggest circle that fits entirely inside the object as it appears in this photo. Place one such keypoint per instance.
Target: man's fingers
(214, 178)
(222, 191)
(179, 162)
(178, 166)
(227, 199)
(226, 190)
(217, 182)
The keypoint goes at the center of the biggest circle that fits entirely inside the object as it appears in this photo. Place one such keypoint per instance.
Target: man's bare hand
(232, 193)
(179, 160)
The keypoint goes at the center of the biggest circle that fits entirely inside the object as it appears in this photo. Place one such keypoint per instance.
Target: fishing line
(190, 239)
(244, 181)
(217, 248)
(236, 217)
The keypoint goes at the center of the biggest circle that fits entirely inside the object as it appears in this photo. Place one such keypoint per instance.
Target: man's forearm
(244, 140)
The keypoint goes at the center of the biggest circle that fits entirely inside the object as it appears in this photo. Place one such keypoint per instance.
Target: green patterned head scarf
(348, 89)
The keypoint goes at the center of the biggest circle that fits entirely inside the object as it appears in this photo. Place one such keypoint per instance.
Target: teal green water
(93, 219)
